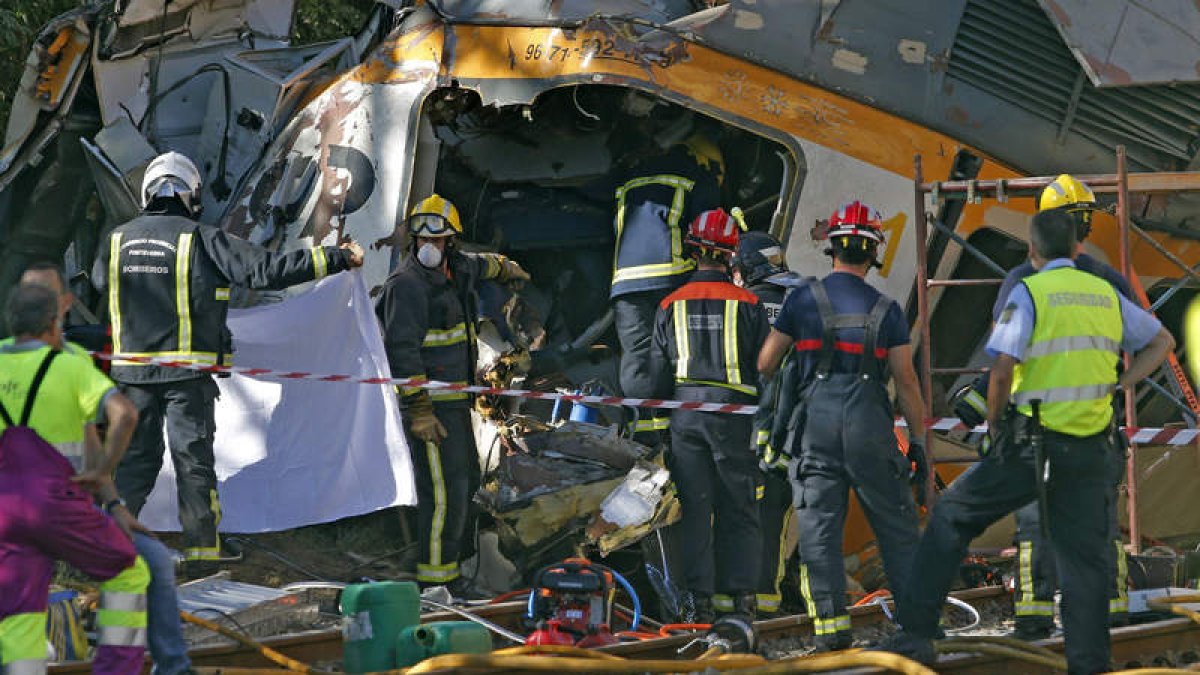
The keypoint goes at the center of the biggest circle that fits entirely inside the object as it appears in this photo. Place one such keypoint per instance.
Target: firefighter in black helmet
(760, 267)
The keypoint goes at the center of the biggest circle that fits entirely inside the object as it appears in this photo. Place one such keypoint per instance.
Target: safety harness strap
(868, 366)
(832, 322)
(825, 309)
(8, 421)
(33, 390)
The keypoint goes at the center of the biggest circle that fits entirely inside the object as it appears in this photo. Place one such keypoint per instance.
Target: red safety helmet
(856, 220)
(714, 230)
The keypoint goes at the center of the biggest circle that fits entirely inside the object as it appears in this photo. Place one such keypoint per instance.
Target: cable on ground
(268, 653)
(1002, 647)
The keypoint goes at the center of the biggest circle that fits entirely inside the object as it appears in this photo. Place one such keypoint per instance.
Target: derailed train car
(521, 112)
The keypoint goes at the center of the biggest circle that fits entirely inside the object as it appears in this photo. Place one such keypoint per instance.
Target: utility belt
(690, 390)
(1020, 429)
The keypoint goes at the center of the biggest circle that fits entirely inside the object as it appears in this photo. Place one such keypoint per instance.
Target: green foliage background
(316, 20)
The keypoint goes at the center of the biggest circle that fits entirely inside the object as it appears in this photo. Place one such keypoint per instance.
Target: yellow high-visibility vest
(1071, 361)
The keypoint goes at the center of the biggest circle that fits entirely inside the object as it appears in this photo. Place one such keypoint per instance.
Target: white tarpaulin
(302, 452)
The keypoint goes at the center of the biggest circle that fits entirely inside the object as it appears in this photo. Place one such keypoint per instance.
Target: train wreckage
(520, 111)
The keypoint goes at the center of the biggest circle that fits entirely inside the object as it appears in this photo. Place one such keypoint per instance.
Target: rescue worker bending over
(1036, 575)
(427, 312)
(662, 195)
(706, 338)
(760, 267)
(168, 280)
(846, 335)
(1057, 344)
(164, 628)
(47, 399)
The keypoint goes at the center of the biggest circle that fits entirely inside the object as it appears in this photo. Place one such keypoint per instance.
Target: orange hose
(870, 597)
(508, 596)
(669, 629)
(637, 635)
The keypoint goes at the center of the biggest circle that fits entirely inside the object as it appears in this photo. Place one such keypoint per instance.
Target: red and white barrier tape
(1140, 435)
(1143, 435)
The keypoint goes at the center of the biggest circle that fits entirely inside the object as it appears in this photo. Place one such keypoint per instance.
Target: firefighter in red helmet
(847, 336)
(707, 335)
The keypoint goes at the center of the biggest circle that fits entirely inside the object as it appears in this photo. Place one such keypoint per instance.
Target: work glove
(970, 403)
(511, 271)
(422, 420)
(770, 459)
(920, 468)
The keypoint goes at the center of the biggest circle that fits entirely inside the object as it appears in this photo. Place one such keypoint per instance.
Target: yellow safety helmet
(707, 154)
(1069, 193)
(1067, 190)
(434, 216)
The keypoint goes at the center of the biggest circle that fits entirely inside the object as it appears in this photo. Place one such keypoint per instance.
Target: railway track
(1171, 641)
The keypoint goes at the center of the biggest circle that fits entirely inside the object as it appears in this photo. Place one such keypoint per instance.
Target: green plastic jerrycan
(372, 616)
(418, 643)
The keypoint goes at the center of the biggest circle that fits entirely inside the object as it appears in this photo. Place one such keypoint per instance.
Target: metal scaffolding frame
(1123, 184)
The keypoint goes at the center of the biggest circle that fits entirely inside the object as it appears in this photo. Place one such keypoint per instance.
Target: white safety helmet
(172, 175)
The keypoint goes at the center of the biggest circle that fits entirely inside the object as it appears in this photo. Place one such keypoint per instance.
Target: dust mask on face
(429, 255)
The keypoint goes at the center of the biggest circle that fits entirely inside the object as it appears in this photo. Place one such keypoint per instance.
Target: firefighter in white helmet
(167, 278)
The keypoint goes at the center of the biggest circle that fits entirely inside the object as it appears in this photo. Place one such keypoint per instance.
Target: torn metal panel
(265, 17)
(256, 95)
(117, 160)
(538, 11)
(1133, 42)
(127, 149)
(340, 168)
(54, 69)
(120, 202)
(553, 487)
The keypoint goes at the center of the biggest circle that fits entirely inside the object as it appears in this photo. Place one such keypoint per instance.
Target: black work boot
(836, 642)
(1033, 628)
(910, 646)
(696, 608)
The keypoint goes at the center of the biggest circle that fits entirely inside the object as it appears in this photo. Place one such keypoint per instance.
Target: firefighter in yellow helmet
(426, 310)
(1037, 579)
(1049, 416)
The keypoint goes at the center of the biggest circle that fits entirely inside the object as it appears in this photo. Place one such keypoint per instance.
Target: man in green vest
(1057, 342)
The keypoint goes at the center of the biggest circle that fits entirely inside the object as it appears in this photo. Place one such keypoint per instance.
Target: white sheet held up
(296, 453)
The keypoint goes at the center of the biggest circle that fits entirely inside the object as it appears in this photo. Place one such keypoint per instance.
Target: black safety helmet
(759, 255)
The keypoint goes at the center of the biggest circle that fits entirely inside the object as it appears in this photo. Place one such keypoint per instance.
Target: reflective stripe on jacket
(428, 321)
(654, 204)
(168, 281)
(709, 333)
(1070, 363)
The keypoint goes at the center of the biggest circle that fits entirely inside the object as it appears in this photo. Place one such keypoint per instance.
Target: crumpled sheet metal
(553, 488)
(548, 462)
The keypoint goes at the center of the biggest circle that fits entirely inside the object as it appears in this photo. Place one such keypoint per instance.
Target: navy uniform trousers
(716, 474)
(1037, 579)
(848, 442)
(1078, 501)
